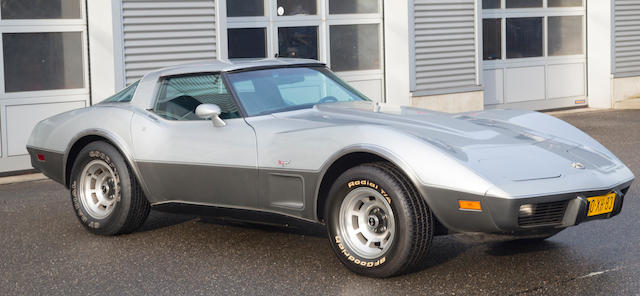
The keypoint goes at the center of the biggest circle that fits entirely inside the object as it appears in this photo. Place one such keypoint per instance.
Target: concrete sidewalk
(22, 178)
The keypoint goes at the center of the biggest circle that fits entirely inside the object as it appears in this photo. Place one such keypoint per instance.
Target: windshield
(284, 89)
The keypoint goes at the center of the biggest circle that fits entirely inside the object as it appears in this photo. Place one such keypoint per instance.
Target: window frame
(271, 21)
(545, 12)
(48, 26)
(157, 92)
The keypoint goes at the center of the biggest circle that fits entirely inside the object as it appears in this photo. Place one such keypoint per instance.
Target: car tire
(106, 196)
(378, 223)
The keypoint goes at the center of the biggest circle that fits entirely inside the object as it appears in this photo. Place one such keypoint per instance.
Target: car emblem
(284, 163)
(577, 165)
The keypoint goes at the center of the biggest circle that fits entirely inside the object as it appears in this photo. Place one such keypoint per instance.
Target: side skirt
(240, 215)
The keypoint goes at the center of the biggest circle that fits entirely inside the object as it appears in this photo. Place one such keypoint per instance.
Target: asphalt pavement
(45, 251)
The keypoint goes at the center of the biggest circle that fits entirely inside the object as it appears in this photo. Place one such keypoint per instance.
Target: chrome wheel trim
(366, 223)
(98, 189)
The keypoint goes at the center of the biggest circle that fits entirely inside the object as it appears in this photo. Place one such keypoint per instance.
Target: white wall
(396, 52)
(599, 54)
(105, 48)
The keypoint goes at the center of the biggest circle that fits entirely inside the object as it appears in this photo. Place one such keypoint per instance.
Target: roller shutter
(162, 33)
(627, 38)
(445, 46)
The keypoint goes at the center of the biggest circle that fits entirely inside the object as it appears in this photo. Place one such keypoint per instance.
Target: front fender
(430, 169)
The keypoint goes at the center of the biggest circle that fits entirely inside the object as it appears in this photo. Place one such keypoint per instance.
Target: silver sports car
(287, 138)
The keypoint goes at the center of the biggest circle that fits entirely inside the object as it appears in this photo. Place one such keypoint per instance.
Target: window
(355, 47)
(524, 37)
(345, 34)
(298, 42)
(492, 39)
(490, 4)
(523, 3)
(42, 61)
(247, 43)
(297, 7)
(565, 35)
(124, 95)
(245, 8)
(565, 3)
(41, 9)
(284, 89)
(179, 97)
(353, 6)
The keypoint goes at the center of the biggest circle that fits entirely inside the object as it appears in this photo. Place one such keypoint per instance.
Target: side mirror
(210, 111)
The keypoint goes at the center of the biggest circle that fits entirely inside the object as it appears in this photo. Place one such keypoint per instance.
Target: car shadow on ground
(510, 248)
(444, 248)
(286, 226)
(158, 220)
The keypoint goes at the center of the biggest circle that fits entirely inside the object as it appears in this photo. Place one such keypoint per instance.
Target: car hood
(493, 143)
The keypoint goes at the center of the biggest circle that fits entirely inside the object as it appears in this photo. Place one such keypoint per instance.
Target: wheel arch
(351, 157)
(85, 138)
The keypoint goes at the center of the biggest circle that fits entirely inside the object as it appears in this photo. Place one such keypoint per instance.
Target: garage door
(44, 58)
(534, 53)
(345, 34)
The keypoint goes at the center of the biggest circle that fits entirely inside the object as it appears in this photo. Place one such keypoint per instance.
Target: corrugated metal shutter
(445, 46)
(162, 33)
(627, 38)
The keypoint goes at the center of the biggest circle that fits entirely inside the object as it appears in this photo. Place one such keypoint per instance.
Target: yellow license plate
(599, 205)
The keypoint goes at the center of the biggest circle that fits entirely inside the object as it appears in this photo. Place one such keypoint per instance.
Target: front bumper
(503, 215)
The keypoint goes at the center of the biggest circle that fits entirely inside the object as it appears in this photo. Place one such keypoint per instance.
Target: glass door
(344, 34)
(534, 53)
(44, 71)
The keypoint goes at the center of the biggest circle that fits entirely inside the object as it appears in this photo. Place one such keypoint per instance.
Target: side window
(179, 97)
(124, 95)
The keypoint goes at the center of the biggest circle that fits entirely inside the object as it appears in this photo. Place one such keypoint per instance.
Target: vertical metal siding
(627, 38)
(444, 46)
(162, 33)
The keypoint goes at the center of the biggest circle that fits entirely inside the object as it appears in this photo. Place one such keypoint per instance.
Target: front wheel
(105, 194)
(378, 224)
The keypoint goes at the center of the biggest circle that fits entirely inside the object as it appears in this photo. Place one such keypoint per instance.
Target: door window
(236, 8)
(353, 6)
(523, 3)
(42, 61)
(565, 35)
(354, 47)
(179, 97)
(298, 42)
(524, 37)
(297, 7)
(491, 39)
(533, 34)
(247, 43)
(35, 9)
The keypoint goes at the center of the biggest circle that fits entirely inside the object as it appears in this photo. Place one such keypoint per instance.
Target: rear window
(124, 95)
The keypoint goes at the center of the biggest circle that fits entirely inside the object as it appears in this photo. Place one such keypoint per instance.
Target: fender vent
(542, 214)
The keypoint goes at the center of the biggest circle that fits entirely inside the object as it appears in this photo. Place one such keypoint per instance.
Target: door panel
(195, 162)
(534, 58)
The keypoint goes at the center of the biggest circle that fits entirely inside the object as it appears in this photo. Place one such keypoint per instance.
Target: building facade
(447, 55)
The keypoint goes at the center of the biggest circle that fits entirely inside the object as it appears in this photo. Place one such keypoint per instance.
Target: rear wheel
(105, 194)
(378, 224)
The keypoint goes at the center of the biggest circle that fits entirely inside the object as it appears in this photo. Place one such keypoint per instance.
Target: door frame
(271, 21)
(545, 61)
(72, 98)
